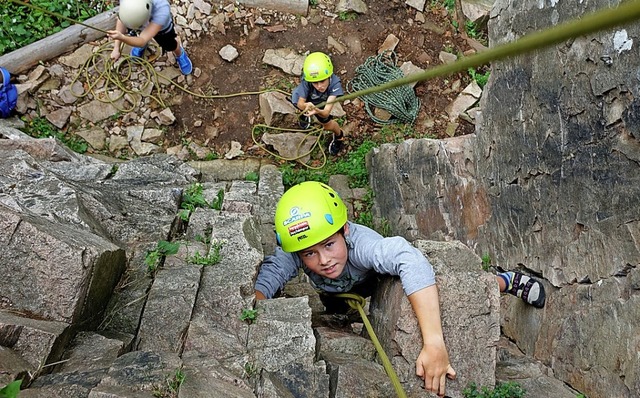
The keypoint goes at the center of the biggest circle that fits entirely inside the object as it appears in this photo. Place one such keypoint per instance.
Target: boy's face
(322, 85)
(327, 258)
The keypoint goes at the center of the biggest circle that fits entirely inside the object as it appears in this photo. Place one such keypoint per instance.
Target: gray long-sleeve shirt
(368, 252)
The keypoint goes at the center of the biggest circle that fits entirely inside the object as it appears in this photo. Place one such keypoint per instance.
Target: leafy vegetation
(480, 77)
(212, 258)
(252, 176)
(11, 390)
(502, 390)
(22, 25)
(172, 388)
(486, 262)
(40, 127)
(347, 15)
(193, 197)
(162, 249)
(249, 315)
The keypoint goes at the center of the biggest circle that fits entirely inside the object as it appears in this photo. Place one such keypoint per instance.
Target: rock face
(88, 311)
(548, 184)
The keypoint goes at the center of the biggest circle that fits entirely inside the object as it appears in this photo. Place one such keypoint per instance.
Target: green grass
(40, 127)
(22, 25)
(252, 176)
(212, 258)
(502, 390)
(347, 15)
(481, 77)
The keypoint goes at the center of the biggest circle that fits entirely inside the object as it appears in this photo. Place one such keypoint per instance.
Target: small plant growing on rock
(252, 176)
(163, 249)
(193, 197)
(212, 258)
(347, 15)
(250, 369)
(11, 390)
(502, 390)
(486, 262)
(173, 386)
(249, 315)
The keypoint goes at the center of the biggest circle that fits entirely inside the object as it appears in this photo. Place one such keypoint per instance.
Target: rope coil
(400, 101)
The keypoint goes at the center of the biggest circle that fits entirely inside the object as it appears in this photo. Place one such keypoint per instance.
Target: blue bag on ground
(8, 94)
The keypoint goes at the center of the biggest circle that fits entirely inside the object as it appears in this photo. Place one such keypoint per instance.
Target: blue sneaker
(186, 67)
(138, 51)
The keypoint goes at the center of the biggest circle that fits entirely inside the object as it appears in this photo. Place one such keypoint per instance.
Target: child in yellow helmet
(319, 84)
(340, 256)
(146, 20)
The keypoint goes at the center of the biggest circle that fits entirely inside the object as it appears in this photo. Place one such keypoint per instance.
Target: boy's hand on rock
(434, 368)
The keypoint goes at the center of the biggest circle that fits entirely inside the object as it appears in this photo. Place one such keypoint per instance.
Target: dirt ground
(220, 121)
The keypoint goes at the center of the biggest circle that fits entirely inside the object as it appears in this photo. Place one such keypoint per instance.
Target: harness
(8, 94)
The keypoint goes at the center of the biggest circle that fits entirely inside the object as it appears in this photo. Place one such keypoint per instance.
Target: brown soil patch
(231, 119)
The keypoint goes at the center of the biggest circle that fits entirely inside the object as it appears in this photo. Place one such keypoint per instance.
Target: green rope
(358, 302)
(401, 101)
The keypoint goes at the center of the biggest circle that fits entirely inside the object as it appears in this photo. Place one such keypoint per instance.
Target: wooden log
(68, 39)
(300, 7)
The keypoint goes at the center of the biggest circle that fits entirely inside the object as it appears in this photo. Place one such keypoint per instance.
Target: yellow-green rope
(358, 302)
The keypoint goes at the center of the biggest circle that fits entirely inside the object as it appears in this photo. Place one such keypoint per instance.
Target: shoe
(138, 51)
(304, 121)
(336, 144)
(186, 67)
(528, 289)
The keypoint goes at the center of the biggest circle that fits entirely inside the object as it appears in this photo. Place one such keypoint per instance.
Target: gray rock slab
(346, 373)
(206, 377)
(56, 271)
(36, 341)
(168, 310)
(241, 197)
(127, 303)
(95, 111)
(469, 305)
(137, 372)
(331, 341)
(277, 109)
(11, 365)
(225, 170)
(291, 146)
(91, 351)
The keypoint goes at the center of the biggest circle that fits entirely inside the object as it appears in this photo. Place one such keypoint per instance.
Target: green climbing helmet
(307, 214)
(134, 13)
(317, 67)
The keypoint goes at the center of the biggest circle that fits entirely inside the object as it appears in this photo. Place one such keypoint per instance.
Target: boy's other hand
(434, 368)
(115, 35)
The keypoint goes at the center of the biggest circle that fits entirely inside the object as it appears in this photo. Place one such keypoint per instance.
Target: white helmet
(134, 13)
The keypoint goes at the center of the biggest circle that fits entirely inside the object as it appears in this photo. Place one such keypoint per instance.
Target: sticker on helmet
(295, 216)
(298, 228)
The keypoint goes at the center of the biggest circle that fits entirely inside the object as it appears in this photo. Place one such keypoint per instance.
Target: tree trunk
(68, 39)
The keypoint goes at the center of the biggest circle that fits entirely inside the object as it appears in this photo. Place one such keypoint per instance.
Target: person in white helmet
(139, 21)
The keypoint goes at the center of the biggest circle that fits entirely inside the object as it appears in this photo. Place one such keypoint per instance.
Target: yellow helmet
(134, 13)
(307, 214)
(317, 67)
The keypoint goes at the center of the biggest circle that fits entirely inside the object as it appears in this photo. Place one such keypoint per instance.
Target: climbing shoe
(186, 67)
(336, 144)
(528, 289)
(138, 51)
